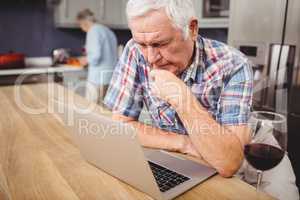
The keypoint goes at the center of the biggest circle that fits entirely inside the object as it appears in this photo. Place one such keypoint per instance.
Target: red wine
(263, 156)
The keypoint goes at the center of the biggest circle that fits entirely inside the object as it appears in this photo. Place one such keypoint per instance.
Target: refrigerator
(268, 33)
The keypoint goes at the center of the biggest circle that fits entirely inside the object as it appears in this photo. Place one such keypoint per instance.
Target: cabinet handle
(102, 9)
(67, 8)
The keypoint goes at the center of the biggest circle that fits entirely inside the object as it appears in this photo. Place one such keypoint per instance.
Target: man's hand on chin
(168, 87)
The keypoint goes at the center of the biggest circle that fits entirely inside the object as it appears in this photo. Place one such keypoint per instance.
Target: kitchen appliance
(215, 8)
(60, 56)
(12, 61)
(268, 32)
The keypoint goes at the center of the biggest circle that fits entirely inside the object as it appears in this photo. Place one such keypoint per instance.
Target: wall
(28, 26)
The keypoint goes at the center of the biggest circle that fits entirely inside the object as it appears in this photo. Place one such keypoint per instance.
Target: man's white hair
(180, 12)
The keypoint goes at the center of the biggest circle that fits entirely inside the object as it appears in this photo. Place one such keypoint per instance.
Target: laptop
(113, 147)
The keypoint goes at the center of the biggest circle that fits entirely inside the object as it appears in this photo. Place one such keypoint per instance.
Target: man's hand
(153, 137)
(168, 86)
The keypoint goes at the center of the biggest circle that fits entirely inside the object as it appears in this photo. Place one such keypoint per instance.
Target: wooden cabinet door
(68, 9)
(115, 13)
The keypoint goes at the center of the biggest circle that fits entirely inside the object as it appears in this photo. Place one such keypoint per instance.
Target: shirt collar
(191, 72)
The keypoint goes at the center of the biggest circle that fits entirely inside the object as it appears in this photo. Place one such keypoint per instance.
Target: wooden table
(39, 161)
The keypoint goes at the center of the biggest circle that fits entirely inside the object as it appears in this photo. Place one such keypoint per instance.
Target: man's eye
(155, 45)
(142, 45)
(160, 44)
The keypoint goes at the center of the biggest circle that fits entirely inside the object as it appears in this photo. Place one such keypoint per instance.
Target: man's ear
(193, 27)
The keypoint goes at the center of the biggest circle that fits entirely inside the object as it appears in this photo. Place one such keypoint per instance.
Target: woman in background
(101, 55)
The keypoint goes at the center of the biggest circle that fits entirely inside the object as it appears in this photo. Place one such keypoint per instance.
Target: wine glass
(269, 142)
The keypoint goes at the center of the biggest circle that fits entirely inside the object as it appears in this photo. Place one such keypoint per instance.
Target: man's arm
(156, 138)
(221, 146)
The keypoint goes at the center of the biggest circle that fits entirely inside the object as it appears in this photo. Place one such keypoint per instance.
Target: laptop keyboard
(165, 178)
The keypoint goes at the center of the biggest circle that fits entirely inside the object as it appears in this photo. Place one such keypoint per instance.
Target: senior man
(198, 91)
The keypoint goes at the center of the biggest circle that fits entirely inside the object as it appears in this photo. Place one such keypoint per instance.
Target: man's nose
(153, 55)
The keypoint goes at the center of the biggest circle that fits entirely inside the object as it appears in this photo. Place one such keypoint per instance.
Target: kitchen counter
(39, 73)
(40, 70)
(38, 159)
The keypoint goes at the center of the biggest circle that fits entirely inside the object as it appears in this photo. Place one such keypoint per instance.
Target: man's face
(162, 45)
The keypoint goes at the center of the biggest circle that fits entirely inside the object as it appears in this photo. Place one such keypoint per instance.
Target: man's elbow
(228, 169)
(227, 172)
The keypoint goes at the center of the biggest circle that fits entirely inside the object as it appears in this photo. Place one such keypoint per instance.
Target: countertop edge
(41, 70)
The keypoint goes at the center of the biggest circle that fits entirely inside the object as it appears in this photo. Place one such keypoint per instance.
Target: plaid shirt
(220, 77)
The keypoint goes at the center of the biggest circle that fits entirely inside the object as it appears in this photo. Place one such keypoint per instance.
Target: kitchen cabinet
(67, 10)
(212, 13)
(108, 12)
(115, 14)
(112, 13)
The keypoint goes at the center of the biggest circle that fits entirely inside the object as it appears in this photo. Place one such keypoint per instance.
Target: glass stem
(259, 179)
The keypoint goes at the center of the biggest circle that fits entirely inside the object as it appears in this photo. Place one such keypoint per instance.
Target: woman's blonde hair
(86, 14)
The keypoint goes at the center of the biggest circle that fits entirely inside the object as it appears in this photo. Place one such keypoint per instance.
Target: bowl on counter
(12, 61)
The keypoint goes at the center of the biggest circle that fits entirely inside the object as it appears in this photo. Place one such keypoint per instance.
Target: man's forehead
(147, 36)
(155, 33)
